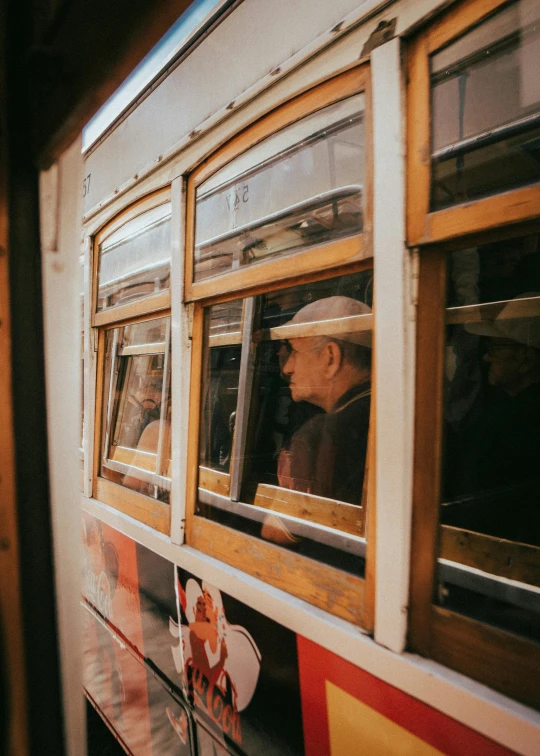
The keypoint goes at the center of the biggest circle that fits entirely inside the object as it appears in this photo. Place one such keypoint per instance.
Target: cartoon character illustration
(219, 662)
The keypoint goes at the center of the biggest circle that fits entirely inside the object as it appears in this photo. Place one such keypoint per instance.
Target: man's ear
(334, 358)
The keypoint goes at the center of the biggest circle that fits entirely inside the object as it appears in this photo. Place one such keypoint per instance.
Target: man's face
(200, 610)
(506, 359)
(305, 371)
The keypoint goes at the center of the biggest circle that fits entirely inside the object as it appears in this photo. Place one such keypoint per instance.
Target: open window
(473, 207)
(132, 456)
(281, 432)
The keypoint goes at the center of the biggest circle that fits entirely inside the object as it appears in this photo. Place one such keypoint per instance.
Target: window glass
(220, 384)
(302, 186)
(296, 425)
(137, 415)
(491, 451)
(134, 261)
(485, 94)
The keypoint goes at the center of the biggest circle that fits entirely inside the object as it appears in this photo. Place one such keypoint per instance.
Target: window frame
(155, 514)
(492, 212)
(323, 256)
(496, 657)
(145, 305)
(336, 591)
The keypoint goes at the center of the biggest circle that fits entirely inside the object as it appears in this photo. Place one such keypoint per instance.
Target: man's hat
(510, 324)
(337, 318)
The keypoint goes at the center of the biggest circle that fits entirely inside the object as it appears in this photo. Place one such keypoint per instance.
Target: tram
(311, 357)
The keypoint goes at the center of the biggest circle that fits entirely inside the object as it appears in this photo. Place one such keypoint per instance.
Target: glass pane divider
(138, 472)
(136, 349)
(245, 383)
(352, 544)
(510, 591)
(487, 137)
(309, 204)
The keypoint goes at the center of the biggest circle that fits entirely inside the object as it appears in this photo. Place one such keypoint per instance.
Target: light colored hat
(510, 324)
(332, 314)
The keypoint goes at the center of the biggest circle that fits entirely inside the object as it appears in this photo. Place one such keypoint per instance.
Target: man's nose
(288, 366)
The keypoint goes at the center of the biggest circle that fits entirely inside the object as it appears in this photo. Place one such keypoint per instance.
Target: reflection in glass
(302, 186)
(301, 396)
(134, 261)
(137, 416)
(485, 95)
(491, 449)
(220, 384)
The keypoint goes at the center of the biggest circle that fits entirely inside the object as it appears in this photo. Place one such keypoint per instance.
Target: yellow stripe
(358, 730)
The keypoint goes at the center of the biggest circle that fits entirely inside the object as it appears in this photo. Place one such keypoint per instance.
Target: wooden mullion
(141, 308)
(504, 661)
(347, 518)
(192, 472)
(497, 556)
(329, 588)
(418, 140)
(151, 512)
(299, 278)
(489, 213)
(320, 257)
(427, 449)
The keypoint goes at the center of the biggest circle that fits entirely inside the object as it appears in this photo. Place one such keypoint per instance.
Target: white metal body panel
(60, 212)
(252, 41)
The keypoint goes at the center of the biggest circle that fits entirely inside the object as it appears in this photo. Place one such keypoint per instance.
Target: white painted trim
(180, 362)
(394, 350)
(90, 367)
(61, 221)
(476, 706)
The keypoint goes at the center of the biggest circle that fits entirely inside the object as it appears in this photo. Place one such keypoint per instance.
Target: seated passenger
(327, 454)
(509, 445)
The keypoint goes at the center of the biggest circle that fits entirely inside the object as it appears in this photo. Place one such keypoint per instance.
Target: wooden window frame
(155, 514)
(146, 305)
(343, 594)
(501, 209)
(320, 257)
(500, 659)
(151, 512)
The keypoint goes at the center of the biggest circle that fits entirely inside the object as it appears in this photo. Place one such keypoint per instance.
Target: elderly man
(327, 454)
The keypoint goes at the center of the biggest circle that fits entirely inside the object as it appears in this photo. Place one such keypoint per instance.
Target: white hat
(335, 309)
(510, 324)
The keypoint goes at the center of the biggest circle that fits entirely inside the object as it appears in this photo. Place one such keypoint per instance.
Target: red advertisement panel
(349, 711)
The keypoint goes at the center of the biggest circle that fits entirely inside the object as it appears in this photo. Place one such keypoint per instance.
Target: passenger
(509, 445)
(327, 454)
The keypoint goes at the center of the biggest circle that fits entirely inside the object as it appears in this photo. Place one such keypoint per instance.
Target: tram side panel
(177, 661)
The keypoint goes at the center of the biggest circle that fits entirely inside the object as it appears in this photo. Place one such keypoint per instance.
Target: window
(136, 442)
(280, 436)
(133, 263)
(473, 207)
(133, 414)
(476, 71)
